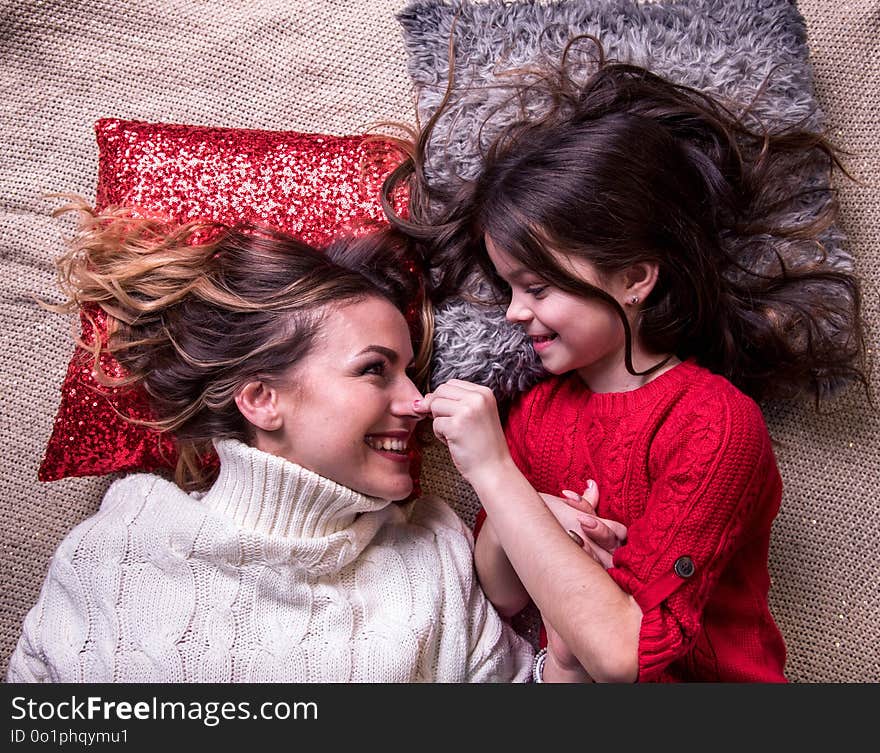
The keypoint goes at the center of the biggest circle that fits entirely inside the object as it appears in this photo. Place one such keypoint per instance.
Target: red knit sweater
(685, 462)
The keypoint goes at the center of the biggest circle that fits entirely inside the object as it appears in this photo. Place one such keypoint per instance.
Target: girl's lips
(543, 342)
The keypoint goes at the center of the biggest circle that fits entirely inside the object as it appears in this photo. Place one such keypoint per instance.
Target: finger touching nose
(407, 399)
(422, 406)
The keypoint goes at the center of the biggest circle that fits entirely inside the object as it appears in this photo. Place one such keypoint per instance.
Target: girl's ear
(639, 280)
(258, 403)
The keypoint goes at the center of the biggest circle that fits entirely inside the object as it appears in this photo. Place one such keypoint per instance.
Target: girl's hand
(466, 421)
(601, 537)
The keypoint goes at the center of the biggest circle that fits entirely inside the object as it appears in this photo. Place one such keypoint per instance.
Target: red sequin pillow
(311, 185)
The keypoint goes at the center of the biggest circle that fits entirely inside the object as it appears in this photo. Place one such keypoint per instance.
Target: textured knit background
(336, 66)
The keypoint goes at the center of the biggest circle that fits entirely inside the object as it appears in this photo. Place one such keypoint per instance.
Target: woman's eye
(536, 290)
(377, 368)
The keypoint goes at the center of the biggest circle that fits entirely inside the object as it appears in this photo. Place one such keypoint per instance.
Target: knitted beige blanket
(336, 67)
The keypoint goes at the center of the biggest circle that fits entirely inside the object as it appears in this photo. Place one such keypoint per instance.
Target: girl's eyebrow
(520, 273)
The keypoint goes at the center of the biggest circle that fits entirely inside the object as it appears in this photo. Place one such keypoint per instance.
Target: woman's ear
(638, 281)
(258, 403)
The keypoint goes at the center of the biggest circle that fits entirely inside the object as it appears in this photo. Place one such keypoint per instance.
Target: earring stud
(634, 300)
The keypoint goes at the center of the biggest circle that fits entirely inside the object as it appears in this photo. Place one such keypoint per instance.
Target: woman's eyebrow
(390, 354)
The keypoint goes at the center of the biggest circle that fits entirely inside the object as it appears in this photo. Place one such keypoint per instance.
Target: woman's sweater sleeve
(55, 629)
(496, 652)
(28, 663)
(713, 471)
(80, 580)
(471, 633)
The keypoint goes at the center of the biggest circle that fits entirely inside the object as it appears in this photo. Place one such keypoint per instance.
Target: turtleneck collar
(272, 496)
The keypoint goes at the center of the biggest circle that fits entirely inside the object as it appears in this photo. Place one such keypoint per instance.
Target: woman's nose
(405, 396)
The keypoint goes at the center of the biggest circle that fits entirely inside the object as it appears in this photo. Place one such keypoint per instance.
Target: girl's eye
(536, 290)
(376, 368)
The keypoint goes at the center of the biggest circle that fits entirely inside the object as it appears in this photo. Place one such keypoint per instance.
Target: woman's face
(347, 410)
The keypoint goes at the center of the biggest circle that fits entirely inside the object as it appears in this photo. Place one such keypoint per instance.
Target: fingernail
(590, 483)
(589, 523)
(575, 538)
(574, 496)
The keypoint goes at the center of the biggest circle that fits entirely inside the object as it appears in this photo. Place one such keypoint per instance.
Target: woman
(289, 562)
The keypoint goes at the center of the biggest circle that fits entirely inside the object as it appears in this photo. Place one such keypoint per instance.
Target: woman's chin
(400, 492)
(392, 489)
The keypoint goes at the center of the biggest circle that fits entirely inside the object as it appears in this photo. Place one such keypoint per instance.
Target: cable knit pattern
(274, 575)
(686, 463)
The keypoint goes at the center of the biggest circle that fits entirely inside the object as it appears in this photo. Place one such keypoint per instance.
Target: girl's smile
(541, 342)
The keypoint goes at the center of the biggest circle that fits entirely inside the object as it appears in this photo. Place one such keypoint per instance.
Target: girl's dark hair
(627, 168)
(196, 311)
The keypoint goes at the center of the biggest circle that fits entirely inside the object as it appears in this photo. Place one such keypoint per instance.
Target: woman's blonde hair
(195, 311)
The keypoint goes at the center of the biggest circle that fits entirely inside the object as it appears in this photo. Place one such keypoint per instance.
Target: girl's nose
(516, 312)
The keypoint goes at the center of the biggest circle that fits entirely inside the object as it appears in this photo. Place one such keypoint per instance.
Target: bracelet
(538, 666)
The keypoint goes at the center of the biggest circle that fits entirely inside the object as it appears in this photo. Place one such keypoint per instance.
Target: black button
(684, 567)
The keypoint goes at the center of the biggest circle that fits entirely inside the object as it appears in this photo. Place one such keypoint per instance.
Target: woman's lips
(393, 446)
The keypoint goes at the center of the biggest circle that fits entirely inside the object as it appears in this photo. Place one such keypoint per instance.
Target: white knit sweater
(275, 575)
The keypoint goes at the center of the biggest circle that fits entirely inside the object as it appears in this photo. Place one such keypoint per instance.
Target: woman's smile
(393, 445)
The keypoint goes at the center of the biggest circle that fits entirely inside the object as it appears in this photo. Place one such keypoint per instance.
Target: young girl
(661, 257)
(290, 563)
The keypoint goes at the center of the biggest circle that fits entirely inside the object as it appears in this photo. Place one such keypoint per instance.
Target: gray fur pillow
(725, 47)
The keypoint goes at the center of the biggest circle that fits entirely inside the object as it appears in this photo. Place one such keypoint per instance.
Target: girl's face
(347, 409)
(569, 333)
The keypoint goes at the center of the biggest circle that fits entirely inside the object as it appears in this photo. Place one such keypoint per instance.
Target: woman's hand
(466, 421)
(599, 537)
(561, 665)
